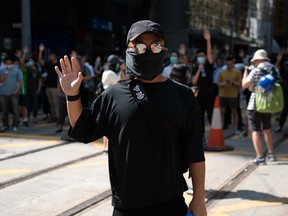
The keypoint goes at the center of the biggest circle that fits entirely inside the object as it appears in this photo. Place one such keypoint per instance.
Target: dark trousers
(227, 116)
(177, 207)
(10, 102)
(206, 103)
(62, 110)
(32, 102)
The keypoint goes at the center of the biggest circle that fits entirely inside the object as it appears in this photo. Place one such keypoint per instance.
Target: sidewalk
(37, 128)
(263, 192)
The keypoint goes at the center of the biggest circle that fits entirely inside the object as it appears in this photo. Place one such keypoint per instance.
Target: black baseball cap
(143, 26)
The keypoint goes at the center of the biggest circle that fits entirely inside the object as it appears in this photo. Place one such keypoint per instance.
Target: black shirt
(52, 77)
(205, 82)
(148, 143)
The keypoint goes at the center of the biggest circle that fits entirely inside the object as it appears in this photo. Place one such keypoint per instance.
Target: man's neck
(158, 79)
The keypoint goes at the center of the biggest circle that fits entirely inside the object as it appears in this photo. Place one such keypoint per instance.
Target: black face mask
(147, 65)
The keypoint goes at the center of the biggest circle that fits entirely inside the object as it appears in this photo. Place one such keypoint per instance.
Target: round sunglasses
(141, 48)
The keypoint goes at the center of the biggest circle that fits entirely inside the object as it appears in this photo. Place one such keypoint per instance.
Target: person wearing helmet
(154, 129)
(259, 121)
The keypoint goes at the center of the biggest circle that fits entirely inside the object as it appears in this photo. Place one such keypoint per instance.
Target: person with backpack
(152, 142)
(259, 121)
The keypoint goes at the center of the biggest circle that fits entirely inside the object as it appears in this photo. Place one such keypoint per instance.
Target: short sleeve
(90, 125)
(193, 146)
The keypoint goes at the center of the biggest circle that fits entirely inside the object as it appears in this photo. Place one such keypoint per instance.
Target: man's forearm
(74, 109)
(197, 172)
(209, 51)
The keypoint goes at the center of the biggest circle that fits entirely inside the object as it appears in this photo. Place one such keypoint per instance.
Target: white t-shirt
(109, 77)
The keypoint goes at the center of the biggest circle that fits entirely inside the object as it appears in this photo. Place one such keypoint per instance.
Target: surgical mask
(9, 67)
(29, 64)
(173, 60)
(201, 60)
(147, 65)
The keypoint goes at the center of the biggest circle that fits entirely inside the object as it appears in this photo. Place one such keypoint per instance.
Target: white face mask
(9, 67)
(201, 60)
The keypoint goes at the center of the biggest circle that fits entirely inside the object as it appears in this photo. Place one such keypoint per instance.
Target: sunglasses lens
(156, 48)
(141, 48)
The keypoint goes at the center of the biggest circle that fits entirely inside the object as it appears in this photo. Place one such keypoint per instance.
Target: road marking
(225, 210)
(15, 171)
(12, 135)
(36, 142)
(42, 125)
(88, 164)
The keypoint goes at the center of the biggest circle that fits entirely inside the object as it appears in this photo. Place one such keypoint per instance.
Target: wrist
(73, 97)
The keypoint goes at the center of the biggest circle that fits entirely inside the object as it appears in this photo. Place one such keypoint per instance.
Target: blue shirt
(10, 82)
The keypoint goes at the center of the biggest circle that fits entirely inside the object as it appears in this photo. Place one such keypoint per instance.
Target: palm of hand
(69, 83)
(70, 79)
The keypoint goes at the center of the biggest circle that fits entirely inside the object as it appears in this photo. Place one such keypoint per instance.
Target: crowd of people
(29, 84)
(225, 74)
(156, 97)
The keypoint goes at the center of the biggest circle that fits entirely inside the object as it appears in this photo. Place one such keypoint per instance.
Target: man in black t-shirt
(202, 76)
(154, 129)
(51, 81)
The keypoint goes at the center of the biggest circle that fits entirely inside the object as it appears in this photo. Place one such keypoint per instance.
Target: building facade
(246, 23)
(281, 23)
(100, 27)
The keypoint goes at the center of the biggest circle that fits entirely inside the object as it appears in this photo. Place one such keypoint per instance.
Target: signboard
(102, 25)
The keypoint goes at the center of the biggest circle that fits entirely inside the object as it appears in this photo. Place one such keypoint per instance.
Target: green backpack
(271, 102)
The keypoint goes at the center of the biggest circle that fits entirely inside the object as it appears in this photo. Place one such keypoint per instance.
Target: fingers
(68, 68)
(75, 65)
(80, 76)
(58, 72)
(65, 65)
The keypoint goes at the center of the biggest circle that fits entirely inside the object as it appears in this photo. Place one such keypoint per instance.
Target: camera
(250, 68)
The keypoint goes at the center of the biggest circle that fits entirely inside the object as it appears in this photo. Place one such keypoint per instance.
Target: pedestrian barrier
(216, 139)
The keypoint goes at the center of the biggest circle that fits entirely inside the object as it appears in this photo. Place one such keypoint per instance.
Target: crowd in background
(211, 69)
(29, 86)
(34, 87)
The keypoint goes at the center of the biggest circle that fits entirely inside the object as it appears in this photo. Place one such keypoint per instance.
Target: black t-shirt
(52, 77)
(33, 77)
(148, 143)
(205, 82)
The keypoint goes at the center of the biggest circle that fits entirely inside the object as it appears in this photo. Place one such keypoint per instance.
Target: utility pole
(26, 24)
(232, 25)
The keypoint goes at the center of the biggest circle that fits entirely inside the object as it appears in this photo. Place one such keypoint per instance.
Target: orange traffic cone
(216, 139)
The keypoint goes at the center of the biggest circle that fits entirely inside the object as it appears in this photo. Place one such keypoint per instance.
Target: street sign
(102, 25)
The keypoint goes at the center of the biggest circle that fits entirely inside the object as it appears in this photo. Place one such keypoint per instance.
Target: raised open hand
(206, 34)
(70, 78)
(182, 49)
(41, 47)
